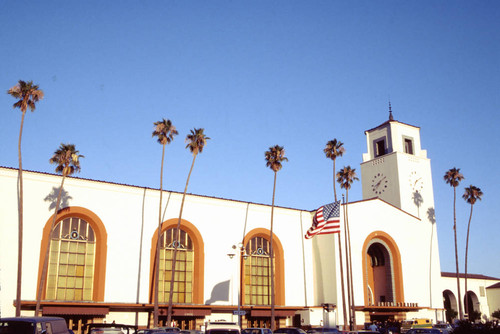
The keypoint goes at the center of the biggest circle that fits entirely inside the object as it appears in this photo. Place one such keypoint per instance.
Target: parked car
(289, 330)
(256, 331)
(110, 329)
(191, 331)
(151, 331)
(323, 330)
(424, 331)
(444, 328)
(33, 325)
(170, 329)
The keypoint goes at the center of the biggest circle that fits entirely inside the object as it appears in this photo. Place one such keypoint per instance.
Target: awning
(267, 313)
(71, 310)
(191, 312)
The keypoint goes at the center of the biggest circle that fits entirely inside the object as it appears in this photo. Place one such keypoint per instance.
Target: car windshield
(16, 327)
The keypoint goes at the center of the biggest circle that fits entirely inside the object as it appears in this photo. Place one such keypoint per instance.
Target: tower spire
(391, 118)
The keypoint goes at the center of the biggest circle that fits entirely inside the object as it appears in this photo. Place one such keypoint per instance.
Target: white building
(102, 254)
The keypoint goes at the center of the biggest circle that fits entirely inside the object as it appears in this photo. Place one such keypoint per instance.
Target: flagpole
(348, 276)
(353, 319)
(344, 311)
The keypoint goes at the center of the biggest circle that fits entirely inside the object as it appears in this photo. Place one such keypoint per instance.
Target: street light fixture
(240, 250)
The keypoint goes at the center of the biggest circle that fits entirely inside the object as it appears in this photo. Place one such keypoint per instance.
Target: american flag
(326, 220)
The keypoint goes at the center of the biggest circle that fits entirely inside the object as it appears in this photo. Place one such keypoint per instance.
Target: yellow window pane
(61, 294)
(54, 246)
(80, 259)
(90, 248)
(183, 266)
(51, 292)
(181, 256)
(64, 246)
(61, 283)
(70, 282)
(70, 294)
(189, 287)
(87, 294)
(71, 270)
(89, 259)
(89, 271)
(81, 247)
(51, 281)
(78, 295)
(52, 268)
(79, 282)
(88, 283)
(72, 247)
(72, 259)
(189, 266)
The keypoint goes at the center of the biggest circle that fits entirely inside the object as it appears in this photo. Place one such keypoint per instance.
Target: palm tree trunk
(347, 270)
(273, 320)
(334, 188)
(176, 239)
(342, 280)
(140, 259)
(353, 319)
(157, 267)
(20, 224)
(47, 251)
(466, 253)
(460, 312)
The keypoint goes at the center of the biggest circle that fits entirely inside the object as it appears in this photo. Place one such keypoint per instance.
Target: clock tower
(397, 170)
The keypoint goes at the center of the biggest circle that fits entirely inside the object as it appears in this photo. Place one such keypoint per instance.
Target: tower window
(408, 145)
(379, 148)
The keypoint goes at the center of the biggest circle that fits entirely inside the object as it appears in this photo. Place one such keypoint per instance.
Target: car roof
(31, 319)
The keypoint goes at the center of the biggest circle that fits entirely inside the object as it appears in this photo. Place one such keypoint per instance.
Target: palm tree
(471, 195)
(333, 150)
(67, 159)
(165, 132)
(196, 141)
(345, 177)
(28, 94)
(274, 157)
(453, 178)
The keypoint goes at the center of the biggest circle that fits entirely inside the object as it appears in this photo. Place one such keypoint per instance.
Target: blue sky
(255, 74)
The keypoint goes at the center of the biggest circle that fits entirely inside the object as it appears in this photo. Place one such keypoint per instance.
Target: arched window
(184, 267)
(71, 261)
(258, 272)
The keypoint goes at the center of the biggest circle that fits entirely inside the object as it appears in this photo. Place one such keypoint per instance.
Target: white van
(222, 327)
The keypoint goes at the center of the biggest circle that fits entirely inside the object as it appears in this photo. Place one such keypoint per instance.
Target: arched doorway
(450, 305)
(382, 275)
(380, 281)
(472, 306)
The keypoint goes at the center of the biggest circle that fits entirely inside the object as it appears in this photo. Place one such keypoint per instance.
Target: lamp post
(242, 253)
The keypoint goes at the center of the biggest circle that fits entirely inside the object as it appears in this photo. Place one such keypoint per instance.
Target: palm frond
(67, 159)
(274, 157)
(453, 177)
(196, 140)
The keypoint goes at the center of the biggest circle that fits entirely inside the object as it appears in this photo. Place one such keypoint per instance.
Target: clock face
(416, 182)
(380, 183)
